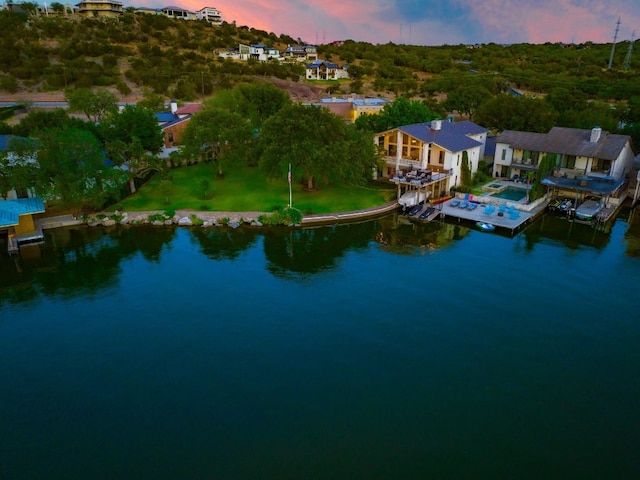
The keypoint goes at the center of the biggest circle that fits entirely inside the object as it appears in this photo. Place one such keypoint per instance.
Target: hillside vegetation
(178, 59)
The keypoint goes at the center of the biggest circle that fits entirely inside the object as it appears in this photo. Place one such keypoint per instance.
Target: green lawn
(245, 189)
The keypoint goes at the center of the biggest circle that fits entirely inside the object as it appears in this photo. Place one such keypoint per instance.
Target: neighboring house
(321, 70)
(100, 8)
(16, 214)
(591, 162)
(148, 11)
(434, 148)
(301, 53)
(350, 107)
(258, 52)
(174, 122)
(178, 13)
(210, 14)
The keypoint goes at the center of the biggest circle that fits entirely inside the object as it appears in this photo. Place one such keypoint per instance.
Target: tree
(72, 170)
(133, 138)
(18, 165)
(216, 132)
(508, 112)
(95, 105)
(256, 101)
(465, 170)
(151, 100)
(466, 99)
(400, 112)
(318, 145)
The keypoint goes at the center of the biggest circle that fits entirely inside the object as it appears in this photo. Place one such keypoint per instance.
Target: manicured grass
(245, 189)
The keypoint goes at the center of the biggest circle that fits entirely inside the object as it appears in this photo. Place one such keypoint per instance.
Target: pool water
(511, 193)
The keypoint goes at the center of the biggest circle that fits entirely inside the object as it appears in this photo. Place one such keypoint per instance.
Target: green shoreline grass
(245, 189)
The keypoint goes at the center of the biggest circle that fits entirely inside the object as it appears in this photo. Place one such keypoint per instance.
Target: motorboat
(588, 210)
(412, 198)
(485, 227)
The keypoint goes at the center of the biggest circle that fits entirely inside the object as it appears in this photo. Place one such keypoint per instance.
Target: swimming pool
(511, 193)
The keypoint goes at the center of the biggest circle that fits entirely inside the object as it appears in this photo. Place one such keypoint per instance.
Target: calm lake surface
(380, 350)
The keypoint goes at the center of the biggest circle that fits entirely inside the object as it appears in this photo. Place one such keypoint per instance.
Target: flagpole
(290, 197)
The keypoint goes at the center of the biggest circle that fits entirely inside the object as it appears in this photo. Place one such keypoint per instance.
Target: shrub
(195, 220)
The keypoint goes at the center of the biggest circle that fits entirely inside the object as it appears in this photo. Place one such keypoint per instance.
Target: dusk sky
(435, 22)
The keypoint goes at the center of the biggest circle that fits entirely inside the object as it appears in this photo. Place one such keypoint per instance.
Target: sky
(429, 22)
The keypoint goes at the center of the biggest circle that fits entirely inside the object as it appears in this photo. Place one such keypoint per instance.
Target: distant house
(100, 8)
(592, 161)
(258, 52)
(148, 11)
(321, 70)
(350, 107)
(210, 14)
(301, 53)
(434, 148)
(178, 13)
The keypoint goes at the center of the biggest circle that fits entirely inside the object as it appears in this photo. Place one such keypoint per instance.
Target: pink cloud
(469, 21)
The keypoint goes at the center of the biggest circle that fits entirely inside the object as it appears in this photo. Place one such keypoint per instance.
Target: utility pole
(613, 47)
(627, 59)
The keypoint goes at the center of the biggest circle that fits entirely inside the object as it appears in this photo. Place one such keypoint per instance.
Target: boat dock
(500, 216)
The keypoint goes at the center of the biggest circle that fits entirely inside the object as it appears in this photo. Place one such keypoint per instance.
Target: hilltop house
(258, 52)
(431, 153)
(210, 14)
(588, 162)
(321, 70)
(100, 8)
(301, 53)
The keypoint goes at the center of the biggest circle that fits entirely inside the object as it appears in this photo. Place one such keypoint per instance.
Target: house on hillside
(350, 107)
(588, 162)
(178, 13)
(430, 154)
(301, 53)
(210, 14)
(321, 70)
(100, 8)
(258, 52)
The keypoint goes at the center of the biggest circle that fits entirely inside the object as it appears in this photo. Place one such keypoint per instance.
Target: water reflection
(85, 260)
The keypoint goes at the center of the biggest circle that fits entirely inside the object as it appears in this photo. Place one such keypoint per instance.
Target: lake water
(379, 350)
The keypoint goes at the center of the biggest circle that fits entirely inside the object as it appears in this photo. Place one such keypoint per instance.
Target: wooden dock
(504, 219)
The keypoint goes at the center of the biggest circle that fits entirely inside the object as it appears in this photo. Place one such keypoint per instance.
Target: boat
(588, 209)
(412, 198)
(485, 227)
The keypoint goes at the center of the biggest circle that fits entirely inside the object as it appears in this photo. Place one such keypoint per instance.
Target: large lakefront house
(430, 154)
(588, 162)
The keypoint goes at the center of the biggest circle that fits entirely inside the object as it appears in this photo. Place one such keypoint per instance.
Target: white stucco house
(434, 148)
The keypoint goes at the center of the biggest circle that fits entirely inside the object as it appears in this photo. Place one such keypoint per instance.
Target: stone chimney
(174, 106)
(595, 134)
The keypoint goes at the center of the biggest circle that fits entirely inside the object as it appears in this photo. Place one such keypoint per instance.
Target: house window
(600, 165)
(568, 161)
(504, 154)
(170, 137)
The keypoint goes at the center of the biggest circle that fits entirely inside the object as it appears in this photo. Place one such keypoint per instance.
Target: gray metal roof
(567, 141)
(452, 136)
